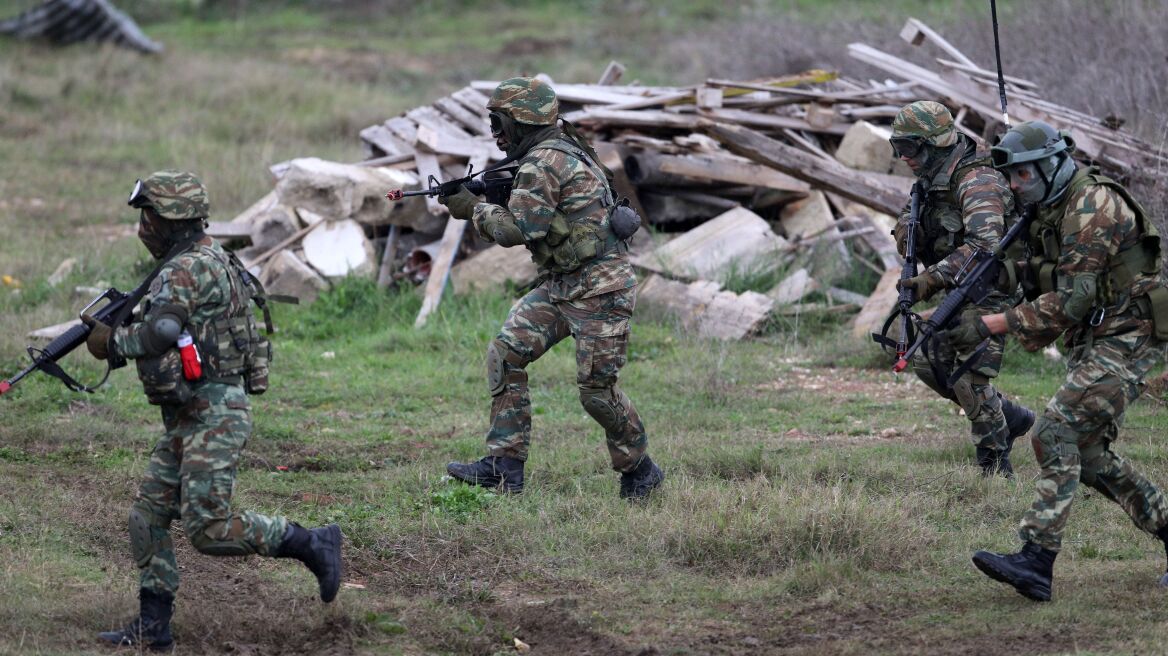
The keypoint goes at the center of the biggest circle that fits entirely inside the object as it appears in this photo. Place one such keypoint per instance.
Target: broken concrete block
(703, 307)
(272, 227)
(865, 147)
(491, 268)
(879, 305)
(344, 191)
(286, 274)
(827, 260)
(793, 288)
(339, 248)
(735, 240)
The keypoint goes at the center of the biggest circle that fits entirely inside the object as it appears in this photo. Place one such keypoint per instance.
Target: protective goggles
(496, 119)
(908, 147)
(138, 198)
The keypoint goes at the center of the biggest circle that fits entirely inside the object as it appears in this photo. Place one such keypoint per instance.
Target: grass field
(816, 503)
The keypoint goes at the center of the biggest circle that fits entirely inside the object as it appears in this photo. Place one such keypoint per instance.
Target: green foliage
(460, 501)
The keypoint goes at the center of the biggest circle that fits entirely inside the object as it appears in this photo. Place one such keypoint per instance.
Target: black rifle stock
(907, 296)
(46, 359)
(978, 279)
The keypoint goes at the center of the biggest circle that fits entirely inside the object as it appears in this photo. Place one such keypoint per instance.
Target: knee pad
(968, 397)
(503, 366)
(221, 538)
(148, 533)
(601, 403)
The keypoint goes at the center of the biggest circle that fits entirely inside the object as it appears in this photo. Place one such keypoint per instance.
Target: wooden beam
(831, 176)
(916, 33)
(612, 73)
(443, 261)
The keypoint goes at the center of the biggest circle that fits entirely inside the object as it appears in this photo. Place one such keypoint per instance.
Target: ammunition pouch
(162, 379)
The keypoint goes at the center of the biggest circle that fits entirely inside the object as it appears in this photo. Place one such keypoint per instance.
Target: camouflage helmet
(528, 100)
(1032, 141)
(174, 195)
(928, 120)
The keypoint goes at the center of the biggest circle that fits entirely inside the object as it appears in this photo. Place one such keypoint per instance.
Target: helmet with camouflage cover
(1037, 159)
(927, 120)
(174, 195)
(527, 99)
(1031, 141)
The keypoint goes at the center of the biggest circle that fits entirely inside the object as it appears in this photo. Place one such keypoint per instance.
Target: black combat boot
(638, 483)
(1029, 570)
(151, 629)
(320, 551)
(491, 471)
(1019, 418)
(1163, 535)
(993, 462)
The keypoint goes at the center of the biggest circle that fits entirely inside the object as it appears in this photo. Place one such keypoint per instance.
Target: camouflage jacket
(964, 208)
(1090, 226)
(197, 280)
(552, 185)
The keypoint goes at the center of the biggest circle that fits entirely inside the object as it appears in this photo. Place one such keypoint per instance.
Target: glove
(923, 285)
(968, 333)
(461, 204)
(99, 335)
(900, 233)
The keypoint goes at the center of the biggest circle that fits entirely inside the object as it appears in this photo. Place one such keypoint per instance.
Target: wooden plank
(403, 128)
(433, 119)
(492, 268)
(444, 143)
(464, 117)
(229, 230)
(639, 119)
(827, 175)
(386, 141)
(612, 73)
(472, 100)
(385, 270)
(726, 168)
(584, 94)
(879, 305)
(442, 262)
(916, 33)
(427, 165)
(772, 121)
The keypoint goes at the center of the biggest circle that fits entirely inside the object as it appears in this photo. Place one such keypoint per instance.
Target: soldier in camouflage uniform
(964, 206)
(199, 290)
(559, 210)
(1093, 275)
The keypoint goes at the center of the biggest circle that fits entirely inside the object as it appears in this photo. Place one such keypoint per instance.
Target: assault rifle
(977, 279)
(495, 184)
(907, 296)
(116, 310)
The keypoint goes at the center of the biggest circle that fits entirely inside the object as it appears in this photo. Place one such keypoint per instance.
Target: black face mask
(153, 233)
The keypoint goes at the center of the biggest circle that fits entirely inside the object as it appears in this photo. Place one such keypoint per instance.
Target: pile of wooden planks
(787, 182)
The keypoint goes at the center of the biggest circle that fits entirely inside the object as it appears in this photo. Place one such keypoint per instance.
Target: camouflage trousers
(973, 391)
(600, 326)
(190, 477)
(1072, 439)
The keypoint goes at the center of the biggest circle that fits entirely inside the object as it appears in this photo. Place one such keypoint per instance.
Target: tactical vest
(1126, 267)
(576, 239)
(230, 345)
(942, 224)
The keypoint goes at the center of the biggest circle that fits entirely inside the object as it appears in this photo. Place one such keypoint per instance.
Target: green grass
(816, 503)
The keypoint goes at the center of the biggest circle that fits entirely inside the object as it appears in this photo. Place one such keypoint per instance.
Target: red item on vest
(192, 364)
